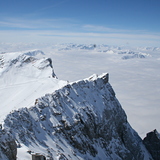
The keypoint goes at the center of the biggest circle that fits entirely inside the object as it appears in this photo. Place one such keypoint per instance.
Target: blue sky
(81, 21)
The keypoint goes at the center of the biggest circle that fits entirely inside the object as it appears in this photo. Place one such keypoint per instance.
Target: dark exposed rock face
(152, 143)
(83, 120)
(8, 147)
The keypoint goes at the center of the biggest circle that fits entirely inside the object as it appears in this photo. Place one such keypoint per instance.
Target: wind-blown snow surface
(134, 74)
(24, 77)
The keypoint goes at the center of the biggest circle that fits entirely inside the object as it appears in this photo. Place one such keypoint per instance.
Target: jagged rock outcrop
(152, 143)
(82, 120)
(8, 146)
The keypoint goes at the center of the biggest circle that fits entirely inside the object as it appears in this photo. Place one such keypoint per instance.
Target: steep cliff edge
(82, 120)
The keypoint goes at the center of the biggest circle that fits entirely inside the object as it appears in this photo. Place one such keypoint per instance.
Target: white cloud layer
(68, 30)
(78, 37)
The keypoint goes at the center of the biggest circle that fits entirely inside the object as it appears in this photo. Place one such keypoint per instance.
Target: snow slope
(24, 77)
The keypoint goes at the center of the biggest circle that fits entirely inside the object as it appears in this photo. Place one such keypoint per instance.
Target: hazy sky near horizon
(81, 21)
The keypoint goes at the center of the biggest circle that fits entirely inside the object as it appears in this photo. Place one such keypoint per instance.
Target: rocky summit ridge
(82, 120)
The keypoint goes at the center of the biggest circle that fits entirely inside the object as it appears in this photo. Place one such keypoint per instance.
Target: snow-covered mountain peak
(26, 64)
(25, 76)
(14, 55)
(82, 120)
